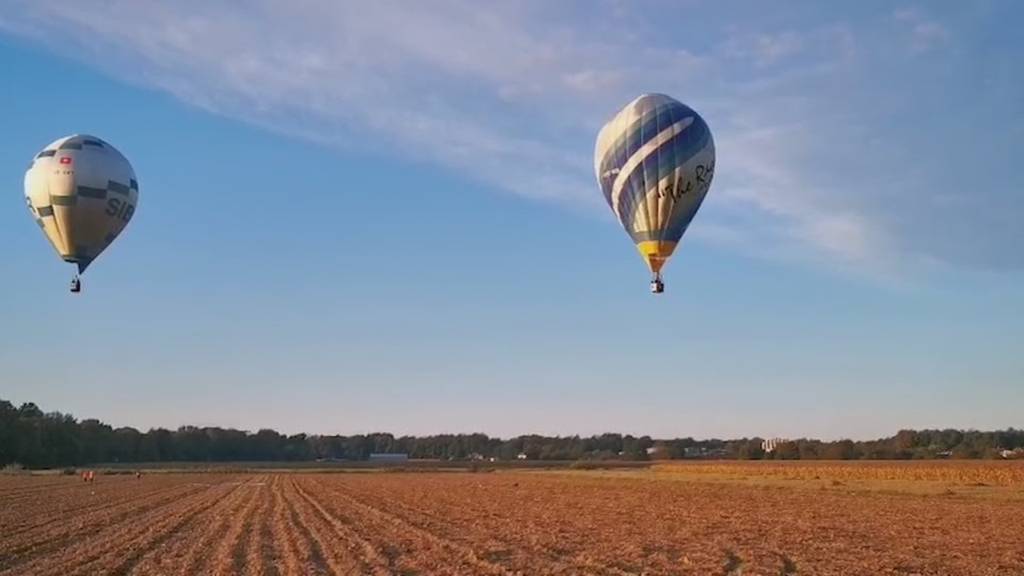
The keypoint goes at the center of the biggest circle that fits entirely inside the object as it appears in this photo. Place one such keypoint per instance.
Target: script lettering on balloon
(702, 175)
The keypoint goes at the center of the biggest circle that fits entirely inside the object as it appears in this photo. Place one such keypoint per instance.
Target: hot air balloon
(654, 162)
(82, 192)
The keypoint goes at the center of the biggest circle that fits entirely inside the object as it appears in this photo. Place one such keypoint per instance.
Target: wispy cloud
(765, 49)
(925, 34)
(513, 95)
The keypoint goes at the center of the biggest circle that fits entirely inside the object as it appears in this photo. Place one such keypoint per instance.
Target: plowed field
(670, 520)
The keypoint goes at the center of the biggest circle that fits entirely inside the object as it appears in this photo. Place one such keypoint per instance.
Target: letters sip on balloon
(122, 210)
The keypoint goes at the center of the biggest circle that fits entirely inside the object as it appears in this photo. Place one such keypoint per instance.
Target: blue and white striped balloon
(654, 162)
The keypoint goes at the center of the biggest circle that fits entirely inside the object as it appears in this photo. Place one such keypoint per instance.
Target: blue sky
(384, 217)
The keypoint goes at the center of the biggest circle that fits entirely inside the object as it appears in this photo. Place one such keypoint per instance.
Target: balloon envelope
(654, 162)
(82, 192)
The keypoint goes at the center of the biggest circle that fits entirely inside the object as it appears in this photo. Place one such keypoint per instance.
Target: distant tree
(191, 444)
(841, 450)
(267, 445)
(96, 440)
(125, 444)
(750, 449)
(809, 449)
(29, 410)
(37, 439)
(8, 432)
(636, 448)
(786, 451)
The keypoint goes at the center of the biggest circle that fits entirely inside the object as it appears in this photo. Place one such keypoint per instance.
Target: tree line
(37, 439)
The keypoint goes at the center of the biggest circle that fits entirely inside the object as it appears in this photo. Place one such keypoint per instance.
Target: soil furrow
(255, 554)
(152, 535)
(189, 548)
(361, 550)
(268, 551)
(98, 509)
(229, 556)
(312, 543)
(452, 528)
(421, 543)
(37, 486)
(53, 537)
(286, 554)
(127, 537)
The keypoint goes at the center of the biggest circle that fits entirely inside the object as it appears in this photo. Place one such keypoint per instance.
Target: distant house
(389, 457)
(769, 445)
(659, 452)
(521, 456)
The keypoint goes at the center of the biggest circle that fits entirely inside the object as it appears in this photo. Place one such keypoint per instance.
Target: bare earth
(762, 518)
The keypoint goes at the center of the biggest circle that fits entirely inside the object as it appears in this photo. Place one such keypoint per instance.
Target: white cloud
(759, 172)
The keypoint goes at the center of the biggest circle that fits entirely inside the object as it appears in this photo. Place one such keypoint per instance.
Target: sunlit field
(689, 518)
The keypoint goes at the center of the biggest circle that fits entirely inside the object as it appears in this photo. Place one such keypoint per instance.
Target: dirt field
(746, 519)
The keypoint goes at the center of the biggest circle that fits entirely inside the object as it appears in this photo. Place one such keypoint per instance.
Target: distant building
(770, 444)
(659, 452)
(389, 457)
(1015, 453)
(521, 456)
